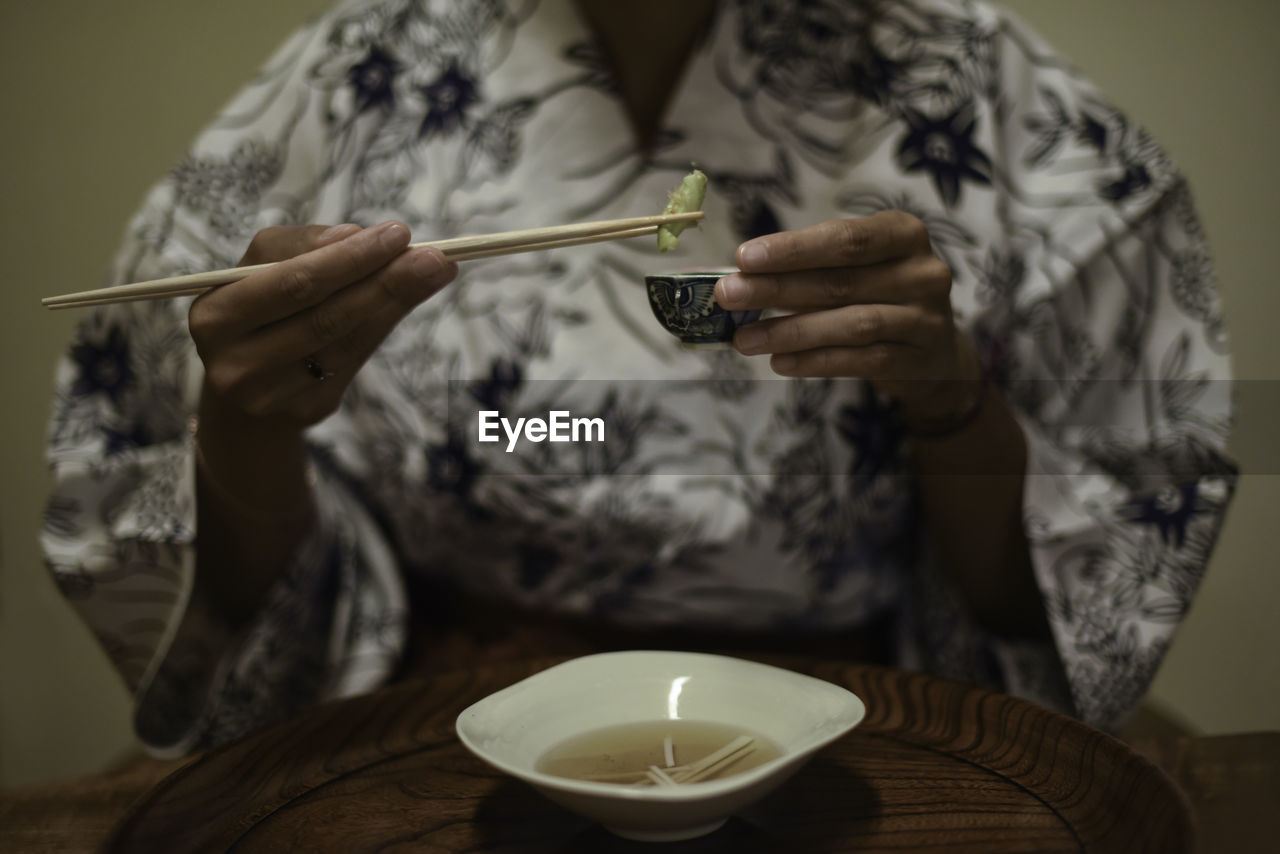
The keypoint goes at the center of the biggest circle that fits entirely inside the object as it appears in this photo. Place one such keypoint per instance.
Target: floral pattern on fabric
(723, 496)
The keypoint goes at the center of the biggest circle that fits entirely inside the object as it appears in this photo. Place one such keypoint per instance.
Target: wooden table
(937, 766)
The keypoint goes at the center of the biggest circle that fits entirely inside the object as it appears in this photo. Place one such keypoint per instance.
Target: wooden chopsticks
(455, 249)
(674, 775)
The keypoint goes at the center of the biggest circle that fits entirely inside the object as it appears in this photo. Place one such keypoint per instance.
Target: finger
(904, 281)
(880, 361)
(307, 388)
(308, 399)
(299, 283)
(850, 326)
(212, 319)
(409, 279)
(270, 361)
(284, 241)
(853, 242)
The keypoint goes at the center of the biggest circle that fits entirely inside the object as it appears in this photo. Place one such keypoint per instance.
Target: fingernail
(753, 254)
(751, 339)
(393, 236)
(783, 363)
(733, 290)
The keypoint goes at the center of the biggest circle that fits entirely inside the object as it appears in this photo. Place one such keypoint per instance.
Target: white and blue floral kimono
(723, 496)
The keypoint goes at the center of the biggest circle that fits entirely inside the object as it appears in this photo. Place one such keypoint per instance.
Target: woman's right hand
(281, 346)
(337, 293)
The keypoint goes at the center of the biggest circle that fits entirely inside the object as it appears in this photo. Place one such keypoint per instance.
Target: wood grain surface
(76, 815)
(936, 766)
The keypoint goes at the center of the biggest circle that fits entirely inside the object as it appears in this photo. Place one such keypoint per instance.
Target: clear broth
(626, 751)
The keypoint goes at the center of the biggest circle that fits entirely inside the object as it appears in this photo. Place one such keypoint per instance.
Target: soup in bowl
(658, 745)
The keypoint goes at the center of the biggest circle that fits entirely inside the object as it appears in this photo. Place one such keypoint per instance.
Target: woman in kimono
(982, 429)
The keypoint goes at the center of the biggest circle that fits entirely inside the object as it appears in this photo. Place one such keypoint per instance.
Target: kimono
(722, 496)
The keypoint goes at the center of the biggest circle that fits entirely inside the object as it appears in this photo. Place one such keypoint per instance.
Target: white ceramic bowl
(512, 728)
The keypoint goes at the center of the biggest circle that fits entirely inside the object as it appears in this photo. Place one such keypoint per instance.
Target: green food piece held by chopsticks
(686, 198)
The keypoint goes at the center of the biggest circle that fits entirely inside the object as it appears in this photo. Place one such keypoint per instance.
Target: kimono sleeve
(1125, 401)
(1101, 323)
(120, 526)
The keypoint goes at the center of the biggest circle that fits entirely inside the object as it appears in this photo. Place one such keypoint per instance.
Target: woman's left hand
(871, 300)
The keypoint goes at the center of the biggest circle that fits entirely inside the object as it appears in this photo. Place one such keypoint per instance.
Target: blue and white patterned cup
(685, 304)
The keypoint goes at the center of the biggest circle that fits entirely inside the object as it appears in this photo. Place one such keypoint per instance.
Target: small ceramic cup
(685, 304)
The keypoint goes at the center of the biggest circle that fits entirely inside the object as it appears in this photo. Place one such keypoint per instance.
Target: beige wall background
(101, 98)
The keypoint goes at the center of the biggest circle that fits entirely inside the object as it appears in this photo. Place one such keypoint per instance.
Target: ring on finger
(314, 368)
